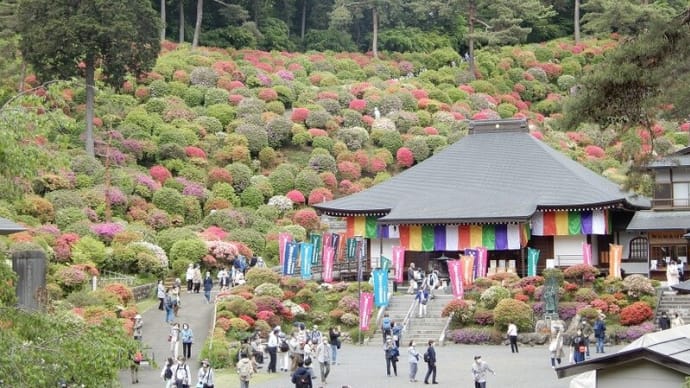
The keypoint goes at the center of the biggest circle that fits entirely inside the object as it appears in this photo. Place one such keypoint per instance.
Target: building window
(662, 195)
(681, 194)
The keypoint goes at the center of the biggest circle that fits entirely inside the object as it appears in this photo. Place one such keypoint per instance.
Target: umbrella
(9, 227)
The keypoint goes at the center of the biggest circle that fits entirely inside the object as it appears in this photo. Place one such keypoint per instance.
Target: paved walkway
(194, 311)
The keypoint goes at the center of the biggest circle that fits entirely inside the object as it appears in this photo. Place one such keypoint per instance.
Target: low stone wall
(144, 291)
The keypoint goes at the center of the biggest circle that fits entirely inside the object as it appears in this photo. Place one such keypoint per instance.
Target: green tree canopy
(63, 38)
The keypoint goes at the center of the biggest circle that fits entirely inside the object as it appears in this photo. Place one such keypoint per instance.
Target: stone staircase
(430, 327)
(678, 303)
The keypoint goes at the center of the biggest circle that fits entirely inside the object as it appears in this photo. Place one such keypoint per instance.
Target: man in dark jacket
(301, 378)
(430, 358)
(664, 321)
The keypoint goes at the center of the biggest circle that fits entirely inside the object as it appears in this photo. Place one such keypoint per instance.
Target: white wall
(375, 249)
(567, 250)
(639, 373)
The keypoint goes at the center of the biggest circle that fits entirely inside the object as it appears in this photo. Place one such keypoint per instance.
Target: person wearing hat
(272, 348)
(392, 354)
(479, 369)
(205, 375)
(137, 328)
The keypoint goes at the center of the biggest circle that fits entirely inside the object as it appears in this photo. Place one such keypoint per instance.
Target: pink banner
(586, 253)
(398, 263)
(455, 274)
(327, 242)
(482, 260)
(366, 305)
(283, 238)
(467, 269)
(328, 253)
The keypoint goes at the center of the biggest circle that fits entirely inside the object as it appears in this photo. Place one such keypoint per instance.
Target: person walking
(187, 339)
(664, 321)
(196, 279)
(587, 331)
(174, 338)
(479, 369)
(412, 278)
(176, 301)
(138, 327)
(272, 348)
(413, 359)
(205, 375)
(323, 356)
(677, 320)
(136, 358)
(600, 333)
(578, 347)
(334, 340)
(392, 353)
(422, 298)
(160, 293)
(512, 336)
(169, 307)
(166, 372)
(430, 359)
(182, 377)
(556, 347)
(245, 370)
(208, 285)
(285, 348)
(189, 277)
(301, 377)
(397, 334)
(386, 327)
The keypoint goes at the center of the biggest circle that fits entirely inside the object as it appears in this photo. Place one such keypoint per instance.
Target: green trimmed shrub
(515, 311)
(192, 250)
(492, 295)
(169, 200)
(257, 276)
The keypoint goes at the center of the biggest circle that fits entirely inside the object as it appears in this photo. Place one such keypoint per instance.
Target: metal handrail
(442, 337)
(408, 317)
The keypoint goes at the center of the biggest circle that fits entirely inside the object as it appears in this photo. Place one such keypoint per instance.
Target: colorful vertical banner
(615, 257)
(386, 263)
(482, 262)
(564, 223)
(291, 251)
(306, 252)
(336, 242)
(415, 238)
(428, 237)
(351, 248)
(467, 269)
(475, 255)
(283, 238)
(455, 274)
(326, 242)
(532, 260)
(399, 263)
(586, 253)
(315, 239)
(380, 287)
(365, 308)
(328, 255)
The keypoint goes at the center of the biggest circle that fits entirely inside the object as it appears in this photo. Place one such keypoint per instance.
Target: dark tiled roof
(486, 177)
(656, 220)
(678, 158)
(9, 227)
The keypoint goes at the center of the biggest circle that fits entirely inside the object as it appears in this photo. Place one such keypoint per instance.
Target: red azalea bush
(529, 289)
(570, 287)
(63, 246)
(295, 196)
(581, 272)
(247, 319)
(305, 306)
(594, 151)
(299, 115)
(484, 318)
(223, 323)
(123, 293)
(521, 297)
(307, 218)
(194, 152)
(600, 305)
(404, 157)
(636, 313)
(160, 173)
(358, 105)
(460, 310)
(320, 194)
(349, 170)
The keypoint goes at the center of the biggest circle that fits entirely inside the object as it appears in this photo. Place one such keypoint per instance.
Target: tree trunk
(181, 15)
(22, 75)
(197, 27)
(375, 35)
(470, 34)
(304, 19)
(576, 21)
(162, 20)
(90, 89)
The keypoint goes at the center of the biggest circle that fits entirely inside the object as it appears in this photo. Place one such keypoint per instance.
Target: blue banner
(385, 263)
(306, 252)
(532, 260)
(380, 287)
(317, 241)
(291, 250)
(351, 249)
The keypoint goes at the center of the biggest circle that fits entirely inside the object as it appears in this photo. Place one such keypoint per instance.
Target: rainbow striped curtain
(568, 223)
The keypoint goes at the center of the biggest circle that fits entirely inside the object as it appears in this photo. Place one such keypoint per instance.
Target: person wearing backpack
(600, 333)
(392, 354)
(423, 298)
(430, 359)
(205, 375)
(386, 327)
(301, 378)
(284, 348)
(245, 370)
(167, 374)
(181, 374)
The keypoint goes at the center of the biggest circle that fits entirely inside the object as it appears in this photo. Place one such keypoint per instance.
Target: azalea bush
(494, 294)
(460, 311)
(515, 311)
(636, 313)
(581, 273)
(638, 285)
(475, 336)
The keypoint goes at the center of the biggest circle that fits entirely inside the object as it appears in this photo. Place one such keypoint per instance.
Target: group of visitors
(392, 355)
(666, 323)
(177, 373)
